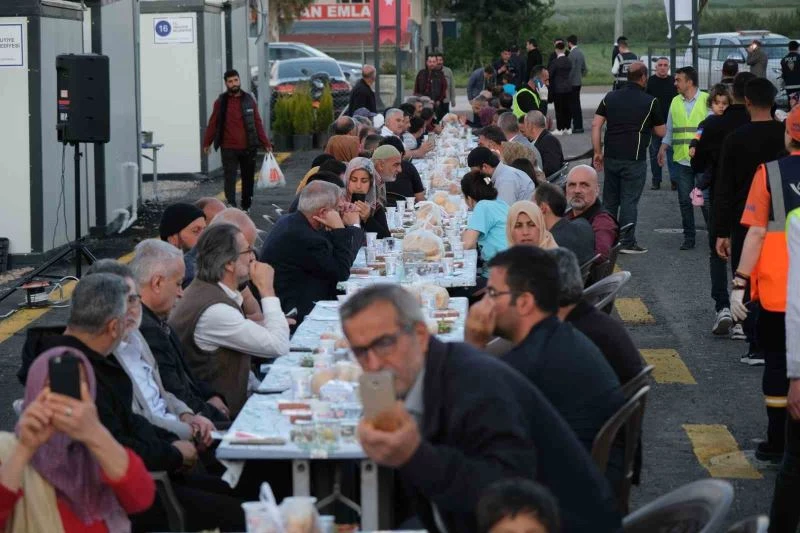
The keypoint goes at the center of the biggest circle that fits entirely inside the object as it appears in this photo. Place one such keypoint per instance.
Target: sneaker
(687, 245)
(752, 359)
(558, 132)
(737, 333)
(568, 131)
(632, 249)
(723, 323)
(768, 452)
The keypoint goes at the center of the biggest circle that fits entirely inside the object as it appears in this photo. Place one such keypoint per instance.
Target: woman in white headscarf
(361, 190)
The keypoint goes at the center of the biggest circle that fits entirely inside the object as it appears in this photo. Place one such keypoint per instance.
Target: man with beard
(407, 182)
(181, 226)
(432, 83)
(209, 320)
(582, 195)
(235, 126)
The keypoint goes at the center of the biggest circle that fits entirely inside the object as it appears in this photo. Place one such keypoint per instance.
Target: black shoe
(674, 186)
(577, 131)
(632, 249)
(655, 187)
(687, 245)
(752, 359)
(768, 452)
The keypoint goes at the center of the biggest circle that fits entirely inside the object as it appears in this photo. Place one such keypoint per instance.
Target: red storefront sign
(337, 12)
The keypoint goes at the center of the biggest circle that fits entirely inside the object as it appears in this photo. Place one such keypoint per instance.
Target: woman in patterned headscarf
(361, 191)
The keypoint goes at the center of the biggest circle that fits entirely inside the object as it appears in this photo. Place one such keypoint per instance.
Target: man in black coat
(466, 420)
(312, 249)
(561, 88)
(363, 93)
(534, 57)
(548, 145)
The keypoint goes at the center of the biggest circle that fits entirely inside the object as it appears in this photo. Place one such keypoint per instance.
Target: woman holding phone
(361, 192)
(62, 470)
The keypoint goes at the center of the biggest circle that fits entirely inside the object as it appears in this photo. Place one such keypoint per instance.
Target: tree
(437, 7)
(282, 13)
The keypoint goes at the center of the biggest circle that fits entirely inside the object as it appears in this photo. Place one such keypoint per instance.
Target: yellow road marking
(718, 452)
(280, 157)
(633, 311)
(669, 367)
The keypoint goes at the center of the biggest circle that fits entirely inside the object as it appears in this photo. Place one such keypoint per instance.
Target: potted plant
(324, 117)
(282, 124)
(302, 119)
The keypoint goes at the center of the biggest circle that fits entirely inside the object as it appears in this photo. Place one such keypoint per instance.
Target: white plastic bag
(270, 176)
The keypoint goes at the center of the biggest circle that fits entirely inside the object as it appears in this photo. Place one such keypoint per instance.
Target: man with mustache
(235, 126)
(582, 196)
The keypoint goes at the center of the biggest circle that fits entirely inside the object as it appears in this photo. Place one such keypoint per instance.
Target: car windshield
(773, 51)
(305, 69)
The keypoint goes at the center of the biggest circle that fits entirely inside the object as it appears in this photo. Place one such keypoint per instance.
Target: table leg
(369, 495)
(155, 174)
(301, 484)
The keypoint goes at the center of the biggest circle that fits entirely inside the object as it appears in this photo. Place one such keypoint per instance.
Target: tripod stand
(76, 246)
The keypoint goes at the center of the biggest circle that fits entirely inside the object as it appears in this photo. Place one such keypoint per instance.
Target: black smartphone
(358, 197)
(65, 377)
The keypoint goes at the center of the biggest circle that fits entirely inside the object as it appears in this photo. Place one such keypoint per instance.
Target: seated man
(511, 184)
(518, 506)
(210, 207)
(181, 226)
(408, 182)
(576, 235)
(604, 330)
(98, 313)
(520, 306)
(312, 249)
(150, 399)
(396, 126)
(492, 137)
(158, 270)
(217, 338)
(548, 144)
(583, 192)
(466, 421)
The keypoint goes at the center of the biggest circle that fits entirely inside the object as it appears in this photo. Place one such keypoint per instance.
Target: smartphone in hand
(65, 376)
(358, 197)
(378, 397)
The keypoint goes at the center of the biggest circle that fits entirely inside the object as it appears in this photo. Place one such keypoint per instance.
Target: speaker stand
(77, 247)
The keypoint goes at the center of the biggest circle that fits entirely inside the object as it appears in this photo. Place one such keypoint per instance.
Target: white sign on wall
(11, 46)
(173, 30)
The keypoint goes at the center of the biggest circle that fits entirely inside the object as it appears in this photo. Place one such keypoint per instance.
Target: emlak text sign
(337, 12)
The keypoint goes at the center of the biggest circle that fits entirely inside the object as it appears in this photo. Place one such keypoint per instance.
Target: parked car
(281, 51)
(715, 48)
(285, 75)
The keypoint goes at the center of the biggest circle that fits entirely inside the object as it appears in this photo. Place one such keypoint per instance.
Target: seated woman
(486, 226)
(361, 191)
(526, 225)
(63, 470)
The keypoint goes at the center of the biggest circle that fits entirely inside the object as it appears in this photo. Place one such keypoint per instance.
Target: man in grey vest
(235, 127)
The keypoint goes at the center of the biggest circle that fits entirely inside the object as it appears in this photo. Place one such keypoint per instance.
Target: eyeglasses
(494, 293)
(248, 251)
(133, 298)
(382, 346)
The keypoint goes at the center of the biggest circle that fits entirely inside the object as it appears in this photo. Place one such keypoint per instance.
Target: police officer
(764, 267)
(790, 69)
(631, 115)
(527, 98)
(622, 63)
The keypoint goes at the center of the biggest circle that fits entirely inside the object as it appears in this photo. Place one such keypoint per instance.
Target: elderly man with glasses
(465, 420)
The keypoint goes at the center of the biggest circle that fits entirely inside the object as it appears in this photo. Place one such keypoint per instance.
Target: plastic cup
(372, 237)
(447, 266)
(301, 383)
(410, 201)
(458, 249)
(258, 519)
(391, 265)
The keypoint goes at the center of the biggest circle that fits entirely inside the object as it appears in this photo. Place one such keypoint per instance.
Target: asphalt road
(705, 410)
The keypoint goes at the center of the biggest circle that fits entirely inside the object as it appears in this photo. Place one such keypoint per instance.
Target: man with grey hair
(313, 248)
(583, 197)
(509, 124)
(158, 271)
(449, 440)
(363, 93)
(395, 126)
(219, 340)
(552, 155)
(605, 331)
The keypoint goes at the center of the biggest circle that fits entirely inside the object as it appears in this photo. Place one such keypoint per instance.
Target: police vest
(626, 59)
(769, 280)
(790, 67)
(518, 112)
(684, 127)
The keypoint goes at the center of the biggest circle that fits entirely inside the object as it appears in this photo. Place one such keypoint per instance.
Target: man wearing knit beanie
(386, 159)
(181, 226)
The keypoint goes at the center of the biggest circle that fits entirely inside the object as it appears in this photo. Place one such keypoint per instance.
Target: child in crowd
(517, 506)
(719, 98)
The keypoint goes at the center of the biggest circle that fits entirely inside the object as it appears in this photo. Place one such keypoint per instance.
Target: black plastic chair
(603, 293)
(630, 417)
(637, 382)
(754, 524)
(698, 507)
(173, 508)
(586, 268)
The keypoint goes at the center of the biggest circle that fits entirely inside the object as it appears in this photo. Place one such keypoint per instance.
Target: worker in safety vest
(528, 97)
(687, 110)
(764, 266)
(785, 515)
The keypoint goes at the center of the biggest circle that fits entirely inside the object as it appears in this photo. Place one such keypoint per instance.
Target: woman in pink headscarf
(62, 470)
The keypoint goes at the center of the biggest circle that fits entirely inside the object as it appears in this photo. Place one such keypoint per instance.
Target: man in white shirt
(395, 126)
(512, 185)
(209, 319)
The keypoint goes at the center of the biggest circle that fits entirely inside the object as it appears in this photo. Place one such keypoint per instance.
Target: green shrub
(282, 123)
(302, 111)
(324, 116)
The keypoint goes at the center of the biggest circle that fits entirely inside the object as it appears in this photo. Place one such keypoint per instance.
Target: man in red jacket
(235, 126)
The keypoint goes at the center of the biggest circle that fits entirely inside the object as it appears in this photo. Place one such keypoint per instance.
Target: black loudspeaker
(82, 89)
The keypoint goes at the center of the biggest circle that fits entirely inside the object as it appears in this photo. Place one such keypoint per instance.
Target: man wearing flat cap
(181, 226)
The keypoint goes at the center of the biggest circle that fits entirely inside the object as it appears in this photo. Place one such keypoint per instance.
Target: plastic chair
(603, 293)
(586, 268)
(629, 417)
(172, 506)
(637, 382)
(698, 507)
(754, 524)
(559, 176)
(606, 268)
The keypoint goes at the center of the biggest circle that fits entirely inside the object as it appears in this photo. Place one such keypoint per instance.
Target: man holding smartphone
(465, 421)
